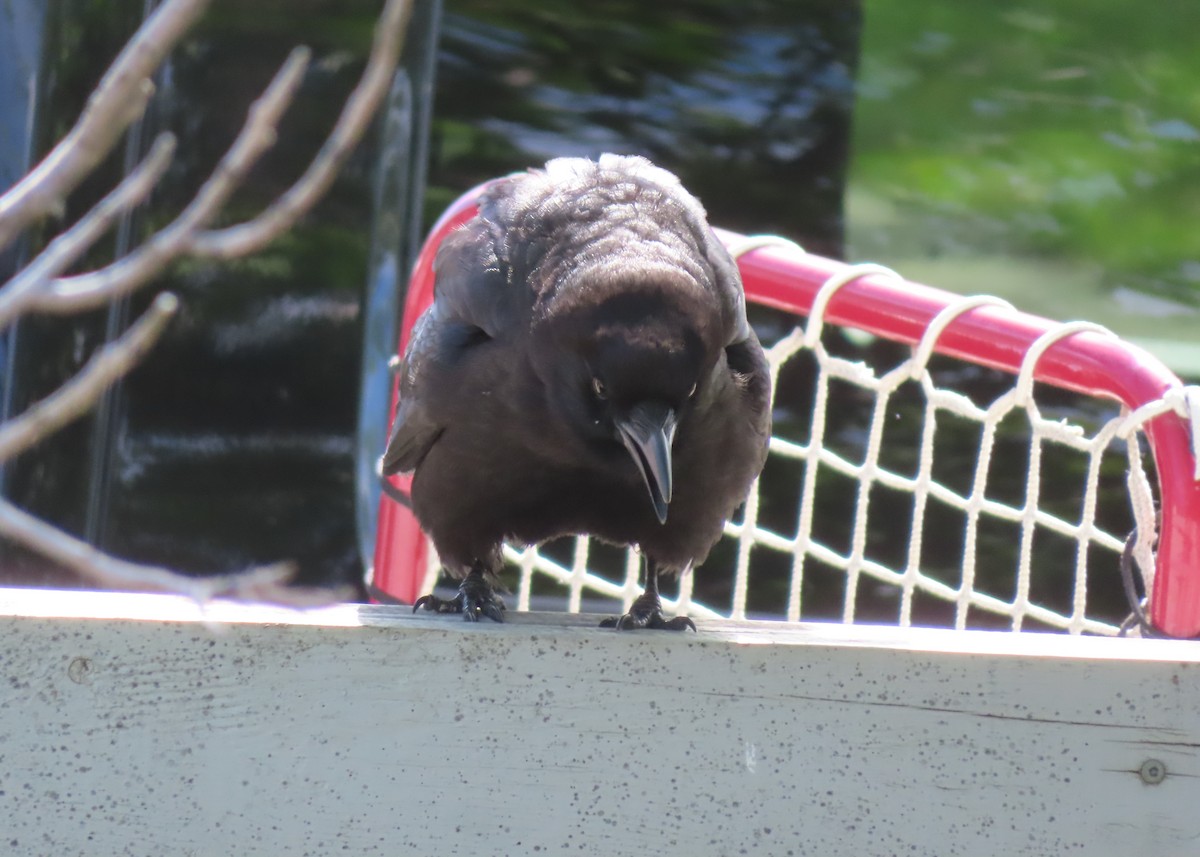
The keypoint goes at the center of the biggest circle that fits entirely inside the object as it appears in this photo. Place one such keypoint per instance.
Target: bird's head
(632, 370)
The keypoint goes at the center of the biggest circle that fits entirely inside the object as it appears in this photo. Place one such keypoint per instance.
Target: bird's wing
(743, 353)
(751, 371)
(415, 428)
(728, 287)
(473, 285)
(471, 306)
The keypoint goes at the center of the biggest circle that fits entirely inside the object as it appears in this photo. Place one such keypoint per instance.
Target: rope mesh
(1000, 576)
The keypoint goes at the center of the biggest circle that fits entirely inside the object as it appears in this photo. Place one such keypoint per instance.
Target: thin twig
(117, 101)
(186, 235)
(97, 566)
(68, 247)
(77, 396)
(253, 235)
(259, 585)
(267, 583)
(85, 291)
(120, 98)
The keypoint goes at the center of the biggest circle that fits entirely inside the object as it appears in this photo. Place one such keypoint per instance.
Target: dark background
(235, 444)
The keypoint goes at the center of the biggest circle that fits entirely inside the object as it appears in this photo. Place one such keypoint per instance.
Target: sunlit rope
(976, 505)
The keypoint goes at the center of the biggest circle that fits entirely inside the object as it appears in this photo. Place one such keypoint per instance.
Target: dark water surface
(236, 443)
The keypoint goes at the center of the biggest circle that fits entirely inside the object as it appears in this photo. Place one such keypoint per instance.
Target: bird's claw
(656, 621)
(492, 607)
(646, 612)
(475, 598)
(438, 605)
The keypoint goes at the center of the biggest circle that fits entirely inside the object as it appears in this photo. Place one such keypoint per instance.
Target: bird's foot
(475, 598)
(646, 612)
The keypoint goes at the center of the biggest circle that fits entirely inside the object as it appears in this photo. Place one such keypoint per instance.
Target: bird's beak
(647, 433)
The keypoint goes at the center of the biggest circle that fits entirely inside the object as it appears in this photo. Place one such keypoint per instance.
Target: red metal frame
(1087, 363)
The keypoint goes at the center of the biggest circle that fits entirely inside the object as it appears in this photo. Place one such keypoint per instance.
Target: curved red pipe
(1087, 363)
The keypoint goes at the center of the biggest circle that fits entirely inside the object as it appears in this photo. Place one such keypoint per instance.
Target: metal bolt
(78, 669)
(1152, 772)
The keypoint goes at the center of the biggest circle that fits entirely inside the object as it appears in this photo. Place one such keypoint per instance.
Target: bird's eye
(599, 389)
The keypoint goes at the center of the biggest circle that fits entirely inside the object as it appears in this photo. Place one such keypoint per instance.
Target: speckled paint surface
(369, 731)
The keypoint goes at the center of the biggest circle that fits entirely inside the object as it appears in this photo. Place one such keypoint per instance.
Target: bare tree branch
(186, 235)
(77, 396)
(118, 100)
(70, 294)
(266, 583)
(68, 247)
(121, 97)
(252, 236)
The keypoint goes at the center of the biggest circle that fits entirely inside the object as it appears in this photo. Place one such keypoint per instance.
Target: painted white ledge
(144, 724)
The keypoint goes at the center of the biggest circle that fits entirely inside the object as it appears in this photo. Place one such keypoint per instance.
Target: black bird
(586, 367)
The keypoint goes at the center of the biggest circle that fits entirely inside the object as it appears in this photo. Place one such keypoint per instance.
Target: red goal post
(1078, 358)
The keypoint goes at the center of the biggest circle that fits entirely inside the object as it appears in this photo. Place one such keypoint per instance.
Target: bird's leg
(475, 598)
(646, 610)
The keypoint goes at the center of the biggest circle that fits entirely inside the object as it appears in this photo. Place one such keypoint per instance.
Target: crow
(586, 367)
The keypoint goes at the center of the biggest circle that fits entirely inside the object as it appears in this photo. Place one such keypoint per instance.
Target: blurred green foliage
(1066, 130)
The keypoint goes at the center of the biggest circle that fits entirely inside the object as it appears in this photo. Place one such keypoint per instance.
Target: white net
(907, 493)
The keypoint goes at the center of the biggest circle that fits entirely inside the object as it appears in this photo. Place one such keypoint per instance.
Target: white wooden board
(141, 724)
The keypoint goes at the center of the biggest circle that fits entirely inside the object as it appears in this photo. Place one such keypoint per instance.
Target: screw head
(1152, 772)
(78, 670)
